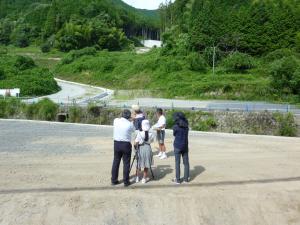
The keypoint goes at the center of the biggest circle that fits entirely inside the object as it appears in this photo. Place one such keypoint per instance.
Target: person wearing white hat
(143, 142)
(138, 116)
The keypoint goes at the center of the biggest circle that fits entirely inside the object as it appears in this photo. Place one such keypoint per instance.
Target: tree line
(253, 27)
(74, 24)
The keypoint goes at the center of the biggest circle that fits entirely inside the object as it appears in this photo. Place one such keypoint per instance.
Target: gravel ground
(53, 173)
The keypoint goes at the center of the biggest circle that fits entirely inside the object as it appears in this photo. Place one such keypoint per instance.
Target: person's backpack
(138, 123)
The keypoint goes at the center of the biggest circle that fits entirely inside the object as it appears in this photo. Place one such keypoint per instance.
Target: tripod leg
(152, 172)
(132, 163)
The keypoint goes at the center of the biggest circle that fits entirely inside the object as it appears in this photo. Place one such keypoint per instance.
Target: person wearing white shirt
(160, 127)
(144, 151)
(123, 130)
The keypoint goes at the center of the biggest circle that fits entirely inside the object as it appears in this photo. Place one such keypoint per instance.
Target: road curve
(76, 92)
(82, 94)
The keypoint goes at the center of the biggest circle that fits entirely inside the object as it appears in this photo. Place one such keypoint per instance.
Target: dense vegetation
(251, 123)
(238, 76)
(21, 72)
(74, 24)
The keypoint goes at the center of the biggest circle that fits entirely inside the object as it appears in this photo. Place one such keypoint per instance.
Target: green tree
(285, 75)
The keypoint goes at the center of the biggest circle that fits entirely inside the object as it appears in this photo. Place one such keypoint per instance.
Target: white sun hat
(145, 125)
(135, 107)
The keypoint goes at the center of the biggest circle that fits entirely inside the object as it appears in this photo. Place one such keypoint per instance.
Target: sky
(144, 4)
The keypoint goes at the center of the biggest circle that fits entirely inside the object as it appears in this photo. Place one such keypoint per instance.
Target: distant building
(152, 43)
(10, 92)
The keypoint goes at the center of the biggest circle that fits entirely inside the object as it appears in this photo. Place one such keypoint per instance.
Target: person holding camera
(123, 130)
(143, 142)
(181, 146)
(160, 127)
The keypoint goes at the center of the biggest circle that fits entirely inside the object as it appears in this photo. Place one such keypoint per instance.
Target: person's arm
(151, 137)
(137, 140)
(132, 127)
(174, 130)
(161, 124)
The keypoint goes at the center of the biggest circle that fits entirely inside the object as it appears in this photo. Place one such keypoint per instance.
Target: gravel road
(52, 173)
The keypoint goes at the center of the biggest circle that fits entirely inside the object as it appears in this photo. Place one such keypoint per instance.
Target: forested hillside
(212, 49)
(249, 26)
(74, 24)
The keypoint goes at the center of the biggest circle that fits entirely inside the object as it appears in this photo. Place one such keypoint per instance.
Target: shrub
(75, 54)
(46, 47)
(94, 110)
(46, 109)
(298, 42)
(137, 42)
(227, 88)
(2, 108)
(24, 63)
(3, 50)
(287, 125)
(31, 111)
(10, 107)
(13, 106)
(285, 75)
(238, 62)
(196, 62)
(2, 74)
(205, 125)
(278, 54)
(171, 65)
(75, 114)
(22, 41)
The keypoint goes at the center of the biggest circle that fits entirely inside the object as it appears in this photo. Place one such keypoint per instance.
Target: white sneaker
(137, 179)
(144, 181)
(174, 180)
(159, 154)
(164, 156)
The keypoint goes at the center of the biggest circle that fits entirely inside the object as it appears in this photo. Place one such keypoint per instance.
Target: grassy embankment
(20, 71)
(152, 74)
(171, 77)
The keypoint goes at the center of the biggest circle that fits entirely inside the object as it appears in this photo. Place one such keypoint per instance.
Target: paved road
(208, 105)
(55, 173)
(80, 93)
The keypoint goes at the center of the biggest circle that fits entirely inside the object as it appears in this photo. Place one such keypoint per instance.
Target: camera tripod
(136, 157)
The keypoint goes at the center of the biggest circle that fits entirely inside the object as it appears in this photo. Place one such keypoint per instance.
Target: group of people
(135, 124)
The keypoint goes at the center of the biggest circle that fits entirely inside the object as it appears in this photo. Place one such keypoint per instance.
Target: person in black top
(181, 145)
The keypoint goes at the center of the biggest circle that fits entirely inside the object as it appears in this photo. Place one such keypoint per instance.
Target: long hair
(146, 136)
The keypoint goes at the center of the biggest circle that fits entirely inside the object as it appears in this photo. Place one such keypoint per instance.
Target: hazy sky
(144, 4)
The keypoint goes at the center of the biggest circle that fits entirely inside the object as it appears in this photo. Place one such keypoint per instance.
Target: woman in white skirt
(145, 156)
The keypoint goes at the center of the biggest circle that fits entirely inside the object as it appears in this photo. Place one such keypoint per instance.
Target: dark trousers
(122, 150)
(185, 156)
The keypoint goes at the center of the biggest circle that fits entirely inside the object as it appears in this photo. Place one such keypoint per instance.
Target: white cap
(135, 107)
(145, 125)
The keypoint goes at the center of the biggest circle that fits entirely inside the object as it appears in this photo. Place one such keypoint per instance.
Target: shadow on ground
(149, 186)
(196, 171)
(161, 171)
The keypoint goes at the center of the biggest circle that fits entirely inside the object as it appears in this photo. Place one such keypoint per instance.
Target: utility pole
(214, 57)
